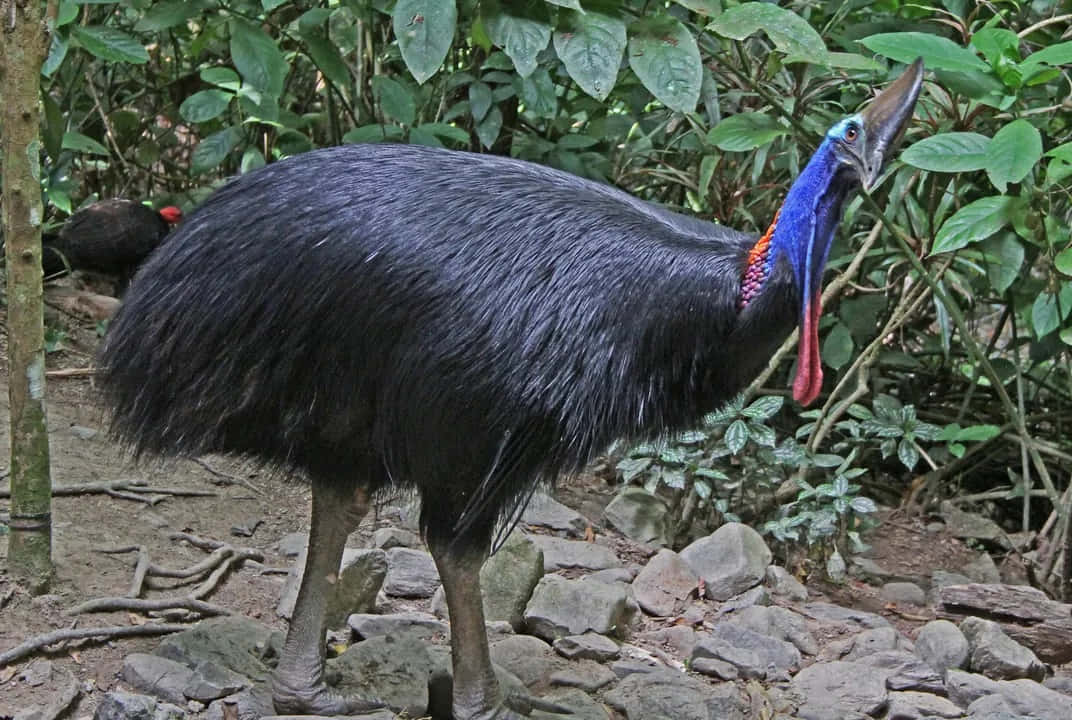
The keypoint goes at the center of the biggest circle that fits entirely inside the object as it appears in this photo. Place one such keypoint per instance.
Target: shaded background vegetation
(946, 336)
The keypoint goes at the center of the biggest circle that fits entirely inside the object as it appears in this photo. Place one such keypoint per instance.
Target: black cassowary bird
(393, 316)
(112, 237)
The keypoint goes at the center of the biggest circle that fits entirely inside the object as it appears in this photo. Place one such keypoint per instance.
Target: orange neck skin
(758, 267)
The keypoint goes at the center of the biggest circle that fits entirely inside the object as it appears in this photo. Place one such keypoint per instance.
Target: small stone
(424, 625)
(781, 583)
(713, 667)
(83, 433)
(639, 515)
(868, 570)
(588, 676)
(942, 646)
(998, 656)
(964, 688)
(664, 584)
(911, 705)
(903, 593)
(529, 658)
(561, 554)
(391, 537)
(680, 638)
(730, 560)
(983, 569)
(587, 646)
(544, 511)
(840, 690)
(561, 607)
(36, 673)
(410, 573)
(292, 544)
(613, 575)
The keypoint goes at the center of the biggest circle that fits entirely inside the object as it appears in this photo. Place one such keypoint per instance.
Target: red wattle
(809, 379)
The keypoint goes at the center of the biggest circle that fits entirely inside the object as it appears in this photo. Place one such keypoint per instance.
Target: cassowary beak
(885, 120)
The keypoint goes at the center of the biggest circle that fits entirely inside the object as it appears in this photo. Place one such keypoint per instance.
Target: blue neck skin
(809, 217)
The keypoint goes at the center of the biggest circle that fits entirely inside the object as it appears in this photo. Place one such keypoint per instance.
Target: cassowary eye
(851, 133)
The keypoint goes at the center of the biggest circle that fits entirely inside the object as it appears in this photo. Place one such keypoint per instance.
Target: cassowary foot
(519, 707)
(317, 699)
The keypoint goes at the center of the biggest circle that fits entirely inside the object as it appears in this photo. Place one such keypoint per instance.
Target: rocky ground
(587, 611)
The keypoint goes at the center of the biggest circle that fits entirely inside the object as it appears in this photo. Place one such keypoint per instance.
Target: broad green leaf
(1066, 336)
(790, 33)
(976, 433)
(1062, 152)
(109, 44)
(937, 52)
(571, 4)
(1005, 257)
(703, 7)
(575, 141)
(223, 77)
(997, 45)
(373, 134)
(257, 58)
(537, 92)
(948, 152)
(81, 143)
(591, 45)
(745, 131)
(67, 13)
(395, 100)
(837, 348)
(826, 460)
(326, 56)
(447, 132)
(425, 31)
(863, 505)
(57, 51)
(487, 130)
(1057, 54)
(736, 436)
(664, 55)
(53, 127)
(205, 105)
(1012, 153)
(163, 15)
(251, 160)
(849, 61)
(420, 135)
(522, 28)
(907, 453)
(270, 5)
(212, 150)
(764, 407)
(1045, 315)
(1063, 261)
(762, 435)
(479, 100)
(973, 222)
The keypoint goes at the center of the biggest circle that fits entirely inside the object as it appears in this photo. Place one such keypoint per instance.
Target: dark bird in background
(383, 316)
(112, 237)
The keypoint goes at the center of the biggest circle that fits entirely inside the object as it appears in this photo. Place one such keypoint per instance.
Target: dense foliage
(946, 336)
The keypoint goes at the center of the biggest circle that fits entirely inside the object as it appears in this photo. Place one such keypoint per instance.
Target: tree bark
(24, 40)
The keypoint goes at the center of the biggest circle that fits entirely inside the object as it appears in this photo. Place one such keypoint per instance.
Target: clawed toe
(319, 700)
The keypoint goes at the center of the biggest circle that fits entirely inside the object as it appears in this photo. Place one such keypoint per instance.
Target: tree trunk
(24, 40)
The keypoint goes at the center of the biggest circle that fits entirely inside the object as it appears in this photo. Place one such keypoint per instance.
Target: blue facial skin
(812, 208)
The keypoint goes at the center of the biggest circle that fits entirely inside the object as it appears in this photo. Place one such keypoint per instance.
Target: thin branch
(1043, 23)
(120, 488)
(101, 633)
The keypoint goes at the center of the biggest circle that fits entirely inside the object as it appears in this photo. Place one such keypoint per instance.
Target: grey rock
(865, 643)
(749, 598)
(869, 571)
(586, 675)
(969, 526)
(631, 666)
(903, 593)
(910, 705)
(83, 433)
(36, 674)
(562, 554)
(211, 681)
(1060, 683)
(777, 622)
(943, 578)
(993, 707)
(998, 656)
(291, 545)
(128, 706)
(983, 570)
(667, 694)
(377, 715)
(386, 538)
(837, 690)
(157, 676)
(942, 645)
(235, 643)
(964, 688)
(441, 683)
(508, 579)
(361, 575)
(905, 671)
(847, 617)
(752, 653)
(664, 584)
(367, 625)
(561, 607)
(613, 575)
(582, 706)
(730, 560)
(1028, 697)
(410, 573)
(781, 583)
(251, 704)
(639, 515)
(393, 669)
(713, 667)
(587, 646)
(544, 511)
(680, 638)
(529, 658)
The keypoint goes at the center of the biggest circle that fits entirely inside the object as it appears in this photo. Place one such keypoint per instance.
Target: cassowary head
(852, 154)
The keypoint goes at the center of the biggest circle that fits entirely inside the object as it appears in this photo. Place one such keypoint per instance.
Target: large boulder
(730, 560)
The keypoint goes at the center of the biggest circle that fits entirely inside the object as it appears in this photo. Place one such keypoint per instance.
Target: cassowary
(112, 237)
(382, 316)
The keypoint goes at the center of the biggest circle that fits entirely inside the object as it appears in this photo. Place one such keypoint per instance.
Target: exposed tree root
(137, 491)
(226, 478)
(101, 633)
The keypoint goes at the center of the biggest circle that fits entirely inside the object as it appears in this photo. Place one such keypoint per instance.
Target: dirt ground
(86, 524)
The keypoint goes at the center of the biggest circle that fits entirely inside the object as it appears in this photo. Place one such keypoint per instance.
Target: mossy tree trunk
(25, 28)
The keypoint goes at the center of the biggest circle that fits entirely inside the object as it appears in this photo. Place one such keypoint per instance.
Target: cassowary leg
(477, 695)
(298, 682)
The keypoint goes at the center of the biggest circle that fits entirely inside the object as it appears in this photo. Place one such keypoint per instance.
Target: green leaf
(251, 160)
(422, 136)
(257, 58)
(591, 45)
(327, 58)
(373, 134)
(630, 468)
(664, 55)
(1066, 336)
(109, 44)
(736, 436)
(1012, 153)
(764, 407)
(1056, 54)
(937, 52)
(1063, 261)
(537, 92)
(80, 143)
(838, 346)
(447, 132)
(849, 61)
(745, 131)
(1045, 317)
(974, 222)
(703, 7)
(487, 130)
(996, 45)
(977, 433)
(907, 454)
(790, 33)
(479, 100)
(163, 15)
(212, 150)
(571, 4)
(826, 460)
(762, 435)
(205, 105)
(863, 505)
(948, 152)
(57, 51)
(223, 77)
(270, 5)
(522, 28)
(1005, 256)
(395, 100)
(425, 32)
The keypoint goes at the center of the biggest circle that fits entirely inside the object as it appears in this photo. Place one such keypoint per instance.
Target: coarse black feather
(471, 323)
